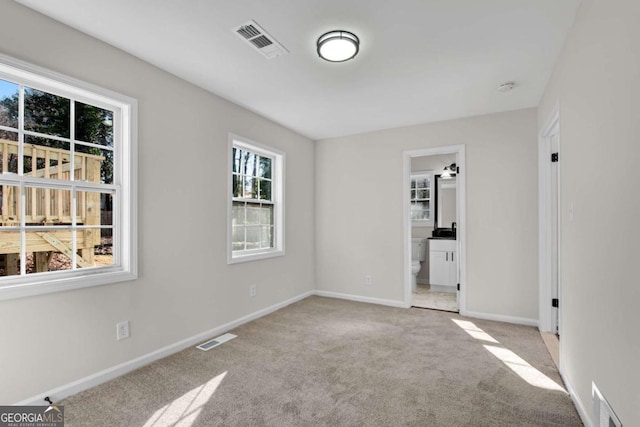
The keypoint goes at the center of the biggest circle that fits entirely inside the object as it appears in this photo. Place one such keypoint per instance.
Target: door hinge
(457, 169)
(554, 157)
(458, 286)
(554, 302)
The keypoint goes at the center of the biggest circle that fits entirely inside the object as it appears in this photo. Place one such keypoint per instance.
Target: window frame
(414, 176)
(277, 196)
(125, 267)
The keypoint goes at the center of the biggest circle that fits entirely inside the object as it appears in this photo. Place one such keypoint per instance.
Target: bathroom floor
(424, 297)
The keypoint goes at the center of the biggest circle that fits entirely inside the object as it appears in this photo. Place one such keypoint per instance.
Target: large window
(256, 201)
(66, 183)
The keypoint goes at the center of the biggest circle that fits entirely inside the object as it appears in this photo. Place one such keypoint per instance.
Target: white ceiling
(419, 61)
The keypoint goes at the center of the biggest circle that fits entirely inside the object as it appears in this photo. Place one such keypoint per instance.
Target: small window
(421, 206)
(67, 183)
(256, 201)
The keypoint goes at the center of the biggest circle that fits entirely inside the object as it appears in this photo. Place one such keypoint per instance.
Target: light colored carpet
(424, 297)
(328, 362)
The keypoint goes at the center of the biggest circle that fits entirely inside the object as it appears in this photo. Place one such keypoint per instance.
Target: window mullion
(8, 128)
(23, 231)
(244, 227)
(255, 201)
(72, 134)
(116, 238)
(72, 178)
(46, 136)
(74, 249)
(23, 192)
(92, 145)
(20, 130)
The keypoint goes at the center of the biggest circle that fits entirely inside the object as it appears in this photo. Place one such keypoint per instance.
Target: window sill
(235, 259)
(23, 288)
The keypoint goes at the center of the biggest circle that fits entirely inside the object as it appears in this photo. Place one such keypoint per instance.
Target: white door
(555, 291)
(550, 222)
(456, 266)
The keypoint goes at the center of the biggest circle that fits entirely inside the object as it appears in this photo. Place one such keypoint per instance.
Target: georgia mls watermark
(32, 416)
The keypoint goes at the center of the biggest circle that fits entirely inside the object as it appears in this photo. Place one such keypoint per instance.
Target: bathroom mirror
(445, 201)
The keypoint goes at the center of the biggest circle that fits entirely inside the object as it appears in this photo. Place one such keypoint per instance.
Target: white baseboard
(359, 298)
(586, 419)
(501, 318)
(108, 374)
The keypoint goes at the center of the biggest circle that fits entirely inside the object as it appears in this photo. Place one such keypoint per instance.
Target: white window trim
(37, 284)
(277, 191)
(424, 222)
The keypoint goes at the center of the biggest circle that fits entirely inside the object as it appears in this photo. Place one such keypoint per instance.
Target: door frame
(461, 208)
(547, 320)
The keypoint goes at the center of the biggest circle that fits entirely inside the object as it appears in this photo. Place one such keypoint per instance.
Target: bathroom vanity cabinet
(443, 265)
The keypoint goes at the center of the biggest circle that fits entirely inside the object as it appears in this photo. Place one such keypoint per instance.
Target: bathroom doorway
(435, 228)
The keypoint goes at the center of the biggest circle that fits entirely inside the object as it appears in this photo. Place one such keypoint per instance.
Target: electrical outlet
(252, 290)
(122, 330)
(368, 280)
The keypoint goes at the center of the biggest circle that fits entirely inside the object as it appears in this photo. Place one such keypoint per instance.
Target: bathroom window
(421, 206)
(256, 201)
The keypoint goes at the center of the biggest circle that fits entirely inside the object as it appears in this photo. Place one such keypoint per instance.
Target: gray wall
(185, 285)
(597, 84)
(359, 215)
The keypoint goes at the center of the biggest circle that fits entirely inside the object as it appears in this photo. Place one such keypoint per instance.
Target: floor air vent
(603, 415)
(257, 37)
(216, 342)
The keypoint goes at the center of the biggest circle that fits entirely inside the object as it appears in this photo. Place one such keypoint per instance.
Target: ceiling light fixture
(338, 46)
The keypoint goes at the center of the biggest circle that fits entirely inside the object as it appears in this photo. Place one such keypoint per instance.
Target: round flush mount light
(506, 87)
(338, 46)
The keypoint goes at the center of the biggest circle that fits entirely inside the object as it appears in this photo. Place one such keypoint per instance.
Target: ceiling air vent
(257, 37)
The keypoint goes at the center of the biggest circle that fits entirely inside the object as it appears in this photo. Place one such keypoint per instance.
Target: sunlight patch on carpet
(517, 364)
(524, 369)
(184, 411)
(474, 331)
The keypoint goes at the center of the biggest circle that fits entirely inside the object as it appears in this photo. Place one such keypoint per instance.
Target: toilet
(418, 255)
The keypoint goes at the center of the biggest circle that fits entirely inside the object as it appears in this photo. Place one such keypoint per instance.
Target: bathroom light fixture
(338, 46)
(449, 171)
